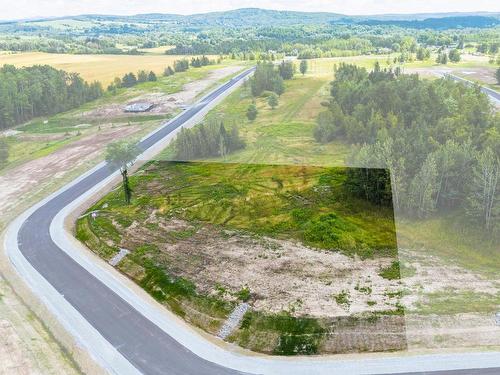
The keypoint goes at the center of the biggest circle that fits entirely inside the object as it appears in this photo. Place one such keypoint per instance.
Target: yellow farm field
(103, 68)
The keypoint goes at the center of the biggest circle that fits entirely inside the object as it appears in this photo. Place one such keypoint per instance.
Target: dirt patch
(25, 346)
(165, 103)
(281, 275)
(28, 177)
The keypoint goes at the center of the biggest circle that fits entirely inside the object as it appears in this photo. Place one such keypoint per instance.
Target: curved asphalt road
(147, 347)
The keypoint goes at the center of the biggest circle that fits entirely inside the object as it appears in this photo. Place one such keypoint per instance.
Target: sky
(52, 8)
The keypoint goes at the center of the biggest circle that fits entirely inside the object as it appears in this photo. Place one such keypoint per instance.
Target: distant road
(127, 335)
(494, 95)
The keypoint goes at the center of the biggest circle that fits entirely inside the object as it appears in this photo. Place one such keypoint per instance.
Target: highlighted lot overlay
(278, 259)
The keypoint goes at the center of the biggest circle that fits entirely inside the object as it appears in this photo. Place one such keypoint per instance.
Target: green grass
(452, 302)
(283, 135)
(279, 201)
(392, 272)
(454, 240)
(306, 203)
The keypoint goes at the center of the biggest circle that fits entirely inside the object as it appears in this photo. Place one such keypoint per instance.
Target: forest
(439, 139)
(249, 32)
(34, 91)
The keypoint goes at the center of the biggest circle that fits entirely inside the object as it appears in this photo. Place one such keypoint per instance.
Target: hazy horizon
(29, 9)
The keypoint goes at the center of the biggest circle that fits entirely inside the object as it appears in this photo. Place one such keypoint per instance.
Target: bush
(392, 272)
(252, 112)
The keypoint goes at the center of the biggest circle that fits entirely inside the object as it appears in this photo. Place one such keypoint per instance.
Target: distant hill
(248, 17)
(439, 23)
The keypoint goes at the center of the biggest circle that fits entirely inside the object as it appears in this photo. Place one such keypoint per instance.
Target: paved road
(491, 93)
(147, 347)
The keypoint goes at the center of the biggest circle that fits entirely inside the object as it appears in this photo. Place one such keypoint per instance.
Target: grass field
(283, 135)
(102, 68)
(309, 204)
(453, 239)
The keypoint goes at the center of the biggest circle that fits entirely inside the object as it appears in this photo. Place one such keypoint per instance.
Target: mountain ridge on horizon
(289, 15)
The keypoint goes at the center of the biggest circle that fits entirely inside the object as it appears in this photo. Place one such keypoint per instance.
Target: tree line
(209, 139)
(41, 90)
(131, 79)
(439, 139)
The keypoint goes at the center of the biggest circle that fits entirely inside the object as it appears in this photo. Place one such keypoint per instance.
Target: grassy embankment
(308, 204)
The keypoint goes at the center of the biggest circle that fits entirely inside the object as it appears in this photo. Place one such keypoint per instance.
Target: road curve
(131, 342)
(492, 94)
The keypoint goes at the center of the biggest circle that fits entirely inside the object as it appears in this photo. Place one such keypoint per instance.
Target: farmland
(102, 68)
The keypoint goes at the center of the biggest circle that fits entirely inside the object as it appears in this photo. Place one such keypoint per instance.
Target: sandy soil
(281, 275)
(25, 345)
(27, 178)
(284, 275)
(164, 103)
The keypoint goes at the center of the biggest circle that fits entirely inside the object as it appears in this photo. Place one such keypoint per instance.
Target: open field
(102, 68)
(283, 135)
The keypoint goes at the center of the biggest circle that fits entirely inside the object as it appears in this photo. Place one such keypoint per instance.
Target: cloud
(48, 8)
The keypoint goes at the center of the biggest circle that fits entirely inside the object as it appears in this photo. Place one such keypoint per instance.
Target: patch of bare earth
(25, 346)
(431, 275)
(281, 275)
(29, 177)
(286, 275)
(165, 103)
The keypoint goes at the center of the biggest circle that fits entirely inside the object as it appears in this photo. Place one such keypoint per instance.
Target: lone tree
(252, 112)
(272, 100)
(152, 77)
(122, 155)
(303, 66)
(454, 55)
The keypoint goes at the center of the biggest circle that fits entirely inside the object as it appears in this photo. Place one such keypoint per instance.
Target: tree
(252, 112)
(303, 66)
(272, 100)
(442, 58)
(454, 55)
(423, 54)
(122, 155)
(168, 72)
(286, 69)
(181, 65)
(40, 90)
(129, 80)
(423, 188)
(4, 152)
(142, 76)
(483, 201)
(152, 76)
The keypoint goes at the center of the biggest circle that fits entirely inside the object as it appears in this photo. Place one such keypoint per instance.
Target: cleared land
(43, 136)
(436, 250)
(291, 241)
